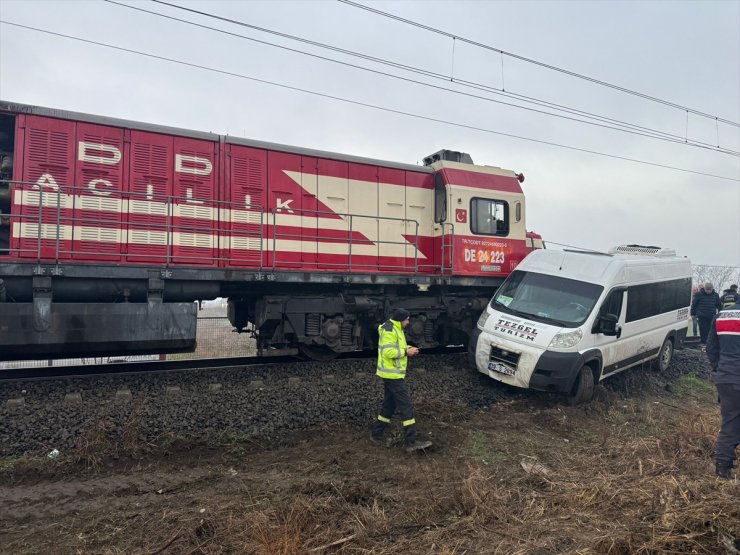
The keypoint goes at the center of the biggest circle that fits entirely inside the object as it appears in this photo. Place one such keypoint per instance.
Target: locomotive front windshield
(547, 299)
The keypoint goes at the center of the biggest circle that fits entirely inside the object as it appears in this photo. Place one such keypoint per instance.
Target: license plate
(501, 368)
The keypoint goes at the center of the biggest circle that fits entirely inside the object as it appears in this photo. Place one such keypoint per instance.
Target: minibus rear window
(548, 299)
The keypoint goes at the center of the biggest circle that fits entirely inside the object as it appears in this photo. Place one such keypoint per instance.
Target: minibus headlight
(566, 339)
(483, 319)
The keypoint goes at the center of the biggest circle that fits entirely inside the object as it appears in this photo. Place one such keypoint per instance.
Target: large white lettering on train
(96, 183)
(109, 155)
(47, 180)
(281, 205)
(193, 165)
(98, 153)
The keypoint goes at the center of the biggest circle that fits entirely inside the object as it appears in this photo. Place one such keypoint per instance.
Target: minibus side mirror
(608, 325)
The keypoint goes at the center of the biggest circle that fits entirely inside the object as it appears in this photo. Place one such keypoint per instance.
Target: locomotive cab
(479, 216)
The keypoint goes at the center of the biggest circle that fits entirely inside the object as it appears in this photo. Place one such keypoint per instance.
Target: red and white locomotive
(110, 229)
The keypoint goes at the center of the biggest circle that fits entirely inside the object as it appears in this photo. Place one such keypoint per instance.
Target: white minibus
(564, 320)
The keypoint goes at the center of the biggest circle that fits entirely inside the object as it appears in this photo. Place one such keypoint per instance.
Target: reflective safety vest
(392, 347)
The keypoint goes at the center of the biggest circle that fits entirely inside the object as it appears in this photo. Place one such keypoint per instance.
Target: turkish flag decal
(461, 216)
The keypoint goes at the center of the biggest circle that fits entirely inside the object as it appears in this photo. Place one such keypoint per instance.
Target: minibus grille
(502, 355)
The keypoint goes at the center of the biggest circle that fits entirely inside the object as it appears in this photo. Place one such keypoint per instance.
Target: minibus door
(608, 330)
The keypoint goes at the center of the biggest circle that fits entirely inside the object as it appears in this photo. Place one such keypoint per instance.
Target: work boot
(377, 440)
(723, 471)
(418, 446)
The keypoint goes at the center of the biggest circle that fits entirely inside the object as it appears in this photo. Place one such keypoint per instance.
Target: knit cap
(400, 314)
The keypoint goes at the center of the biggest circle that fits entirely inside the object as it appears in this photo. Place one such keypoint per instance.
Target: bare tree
(720, 276)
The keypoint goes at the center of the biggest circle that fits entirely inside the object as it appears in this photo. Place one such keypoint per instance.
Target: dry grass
(100, 440)
(623, 495)
(91, 446)
(628, 493)
(624, 475)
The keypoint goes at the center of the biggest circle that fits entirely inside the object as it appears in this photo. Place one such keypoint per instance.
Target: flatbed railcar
(110, 230)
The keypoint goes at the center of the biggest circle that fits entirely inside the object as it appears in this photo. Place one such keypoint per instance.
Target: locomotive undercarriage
(324, 325)
(59, 311)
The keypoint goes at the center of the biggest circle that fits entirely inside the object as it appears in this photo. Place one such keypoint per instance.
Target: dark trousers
(396, 397)
(704, 325)
(728, 437)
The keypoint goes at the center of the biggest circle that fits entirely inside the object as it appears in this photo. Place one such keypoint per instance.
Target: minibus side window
(652, 299)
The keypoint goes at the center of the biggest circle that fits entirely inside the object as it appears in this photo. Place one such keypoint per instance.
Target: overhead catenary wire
(360, 103)
(653, 133)
(613, 124)
(537, 62)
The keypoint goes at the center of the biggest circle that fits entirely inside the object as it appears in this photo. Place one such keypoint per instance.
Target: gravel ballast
(256, 402)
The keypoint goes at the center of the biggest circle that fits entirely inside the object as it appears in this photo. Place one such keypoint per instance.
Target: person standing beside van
(704, 307)
(723, 351)
(730, 296)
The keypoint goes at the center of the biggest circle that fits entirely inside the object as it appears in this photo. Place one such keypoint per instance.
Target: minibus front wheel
(583, 388)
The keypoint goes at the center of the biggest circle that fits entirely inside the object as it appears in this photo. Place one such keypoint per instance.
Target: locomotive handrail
(43, 201)
(65, 196)
(59, 215)
(47, 198)
(350, 219)
(41, 211)
(451, 267)
(168, 235)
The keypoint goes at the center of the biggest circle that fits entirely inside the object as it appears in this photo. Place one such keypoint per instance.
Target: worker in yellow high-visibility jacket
(393, 353)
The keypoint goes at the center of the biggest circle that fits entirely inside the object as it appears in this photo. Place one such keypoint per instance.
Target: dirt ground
(629, 473)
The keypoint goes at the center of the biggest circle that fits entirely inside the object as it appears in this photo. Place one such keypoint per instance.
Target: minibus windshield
(548, 299)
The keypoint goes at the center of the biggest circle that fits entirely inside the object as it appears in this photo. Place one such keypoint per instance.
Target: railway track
(123, 368)
(254, 398)
(260, 398)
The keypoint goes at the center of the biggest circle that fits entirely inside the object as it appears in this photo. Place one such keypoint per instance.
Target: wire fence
(216, 338)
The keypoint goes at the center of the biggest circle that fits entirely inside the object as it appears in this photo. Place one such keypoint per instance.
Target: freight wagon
(110, 230)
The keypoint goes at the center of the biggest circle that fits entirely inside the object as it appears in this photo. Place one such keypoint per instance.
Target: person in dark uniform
(393, 353)
(723, 351)
(730, 296)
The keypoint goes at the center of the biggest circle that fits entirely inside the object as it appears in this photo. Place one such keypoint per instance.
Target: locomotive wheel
(319, 353)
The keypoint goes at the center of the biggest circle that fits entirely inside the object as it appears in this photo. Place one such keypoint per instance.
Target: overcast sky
(687, 53)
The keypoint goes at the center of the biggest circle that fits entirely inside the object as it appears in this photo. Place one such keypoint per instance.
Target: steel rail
(152, 367)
